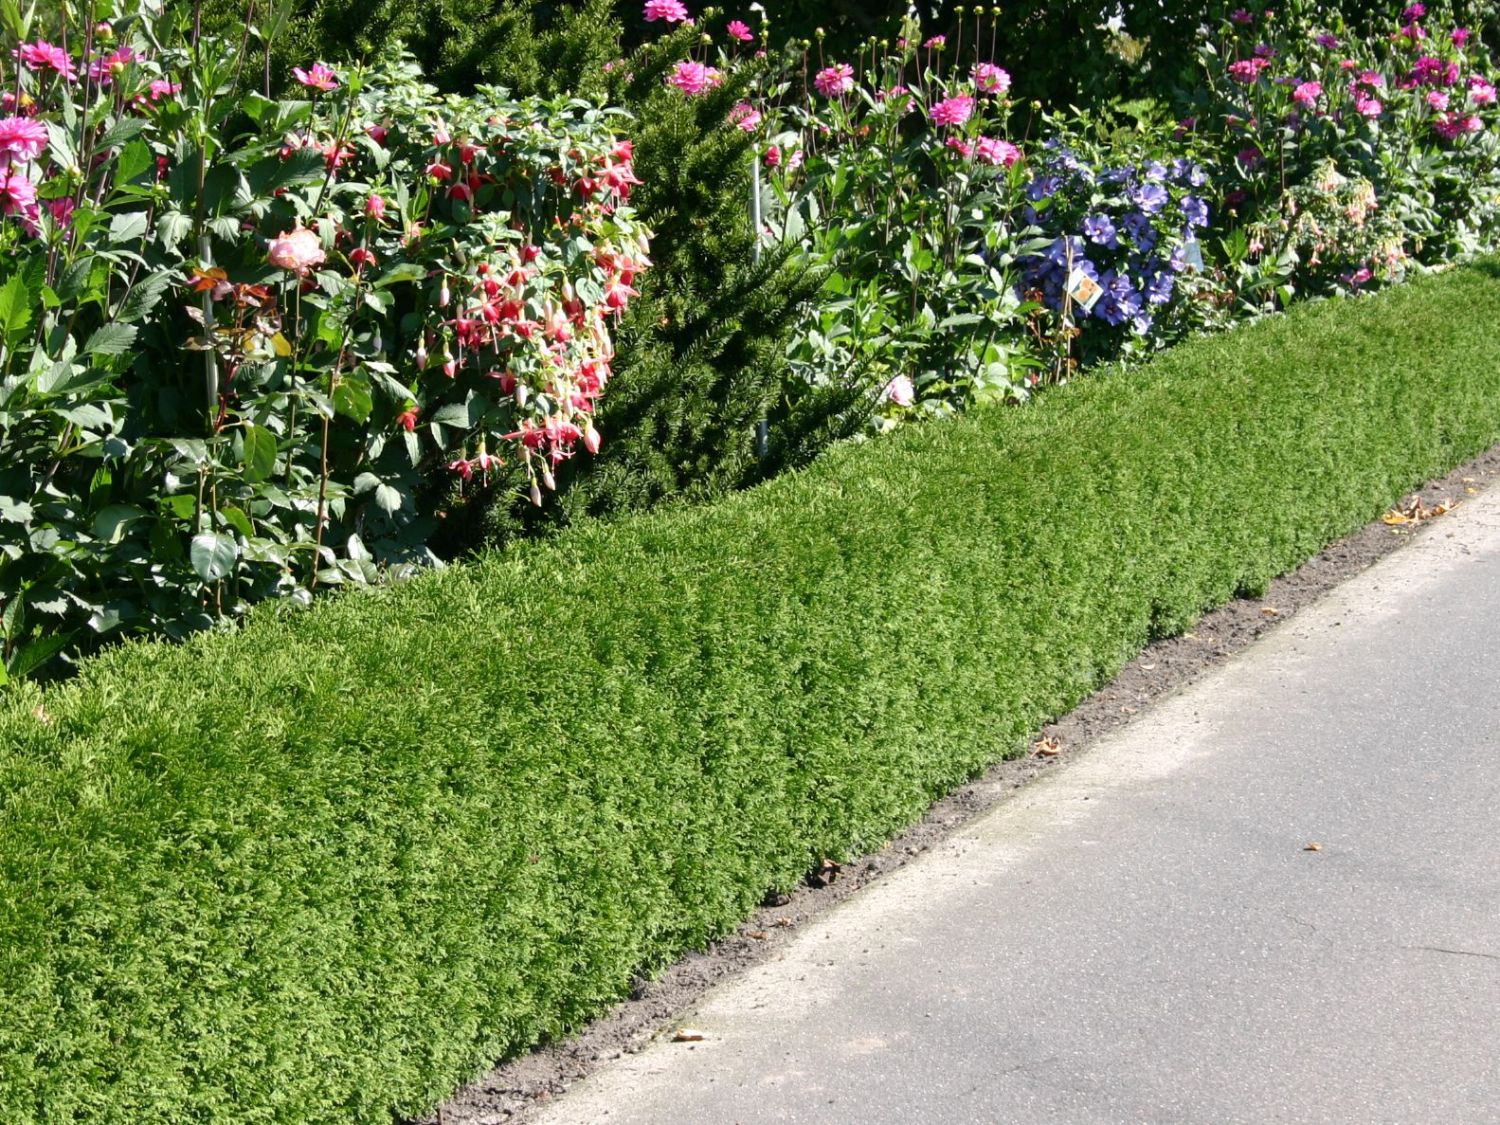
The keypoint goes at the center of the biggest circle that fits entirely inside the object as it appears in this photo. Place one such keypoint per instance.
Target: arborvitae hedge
(337, 861)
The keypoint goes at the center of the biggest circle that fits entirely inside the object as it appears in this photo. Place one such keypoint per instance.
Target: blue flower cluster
(1126, 229)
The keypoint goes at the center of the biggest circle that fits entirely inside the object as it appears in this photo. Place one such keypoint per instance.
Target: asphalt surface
(1275, 897)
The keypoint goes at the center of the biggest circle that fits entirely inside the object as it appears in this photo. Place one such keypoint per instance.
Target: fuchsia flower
(693, 78)
(375, 207)
(316, 77)
(834, 81)
(1307, 94)
(738, 29)
(667, 11)
(990, 79)
(297, 250)
(993, 150)
(42, 55)
(952, 111)
(21, 139)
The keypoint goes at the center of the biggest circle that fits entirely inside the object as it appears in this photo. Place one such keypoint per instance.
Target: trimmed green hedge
(333, 864)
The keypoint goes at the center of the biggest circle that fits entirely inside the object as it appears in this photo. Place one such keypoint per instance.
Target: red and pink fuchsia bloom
(952, 111)
(297, 250)
(834, 81)
(667, 11)
(316, 77)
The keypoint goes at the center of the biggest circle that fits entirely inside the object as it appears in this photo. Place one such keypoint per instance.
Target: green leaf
(29, 657)
(260, 453)
(172, 227)
(213, 556)
(134, 159)
(14, 511)
(124, 129)
(238, 520)
(143, 297)
(15, 309)
(352, 396)
(387, 499)
(110, 339)
(127, 227)
(111, 522)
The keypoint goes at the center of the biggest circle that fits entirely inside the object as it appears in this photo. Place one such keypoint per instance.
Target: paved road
(1141, 937)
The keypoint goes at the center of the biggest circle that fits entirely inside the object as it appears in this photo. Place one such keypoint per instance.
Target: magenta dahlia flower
(740, 30)
(21, 139)
(693, 78)
(316, 77)
(667, 11)
(834, 81)
(952, 111)
(42, 55)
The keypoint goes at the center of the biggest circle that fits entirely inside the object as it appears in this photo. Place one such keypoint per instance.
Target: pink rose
(296, 250)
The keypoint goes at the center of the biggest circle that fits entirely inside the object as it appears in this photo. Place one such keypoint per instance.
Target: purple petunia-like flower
(1149, 197)
(1195, 211)
(1100, 231)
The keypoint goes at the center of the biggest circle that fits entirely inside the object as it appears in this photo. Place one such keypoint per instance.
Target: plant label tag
(1084, 290)
(1192, 252)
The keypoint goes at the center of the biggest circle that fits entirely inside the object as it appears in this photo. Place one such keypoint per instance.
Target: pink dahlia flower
(740, 30)
(952, 111)
(746, 116)
(160, 88)
(316, 77)
(1437, 99)
(834, 81)
(990, 79)
(1481, 92)
(994, 150)
(42, 55)
(297, 250)
(667, 11)
(960, 146)
(1307, 94)
(693, 78)
(21, 139)
(111, 66)
(900, 391)
(17, 193)
(1369, 107)
(1247, 71)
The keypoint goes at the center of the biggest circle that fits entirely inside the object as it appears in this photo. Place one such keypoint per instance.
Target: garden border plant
(328, 866)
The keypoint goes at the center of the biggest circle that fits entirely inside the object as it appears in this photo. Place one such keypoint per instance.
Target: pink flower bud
(536, 494)
(591, 439)
(421, 357)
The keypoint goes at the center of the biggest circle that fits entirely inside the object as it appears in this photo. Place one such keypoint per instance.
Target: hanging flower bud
(536, 494)
(549, 480)
(421, 356)
(591, 439)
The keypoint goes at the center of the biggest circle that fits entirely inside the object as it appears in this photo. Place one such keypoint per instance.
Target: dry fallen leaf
(1046, 748)
(1270, 611)
(1414, 511)
(758, 935)
(688, 1035)
(1314, 846)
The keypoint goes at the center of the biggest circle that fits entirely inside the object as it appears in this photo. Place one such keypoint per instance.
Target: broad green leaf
(14, 511)
(213, 556)
(127, 227)
(110, 339)
(260, 453)
(111, 522)
(387, 499)
(143, 296)
(352, 397)
(237, 520)
(134, 159)
(15, 309)
(124, 129)
(29, 657)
